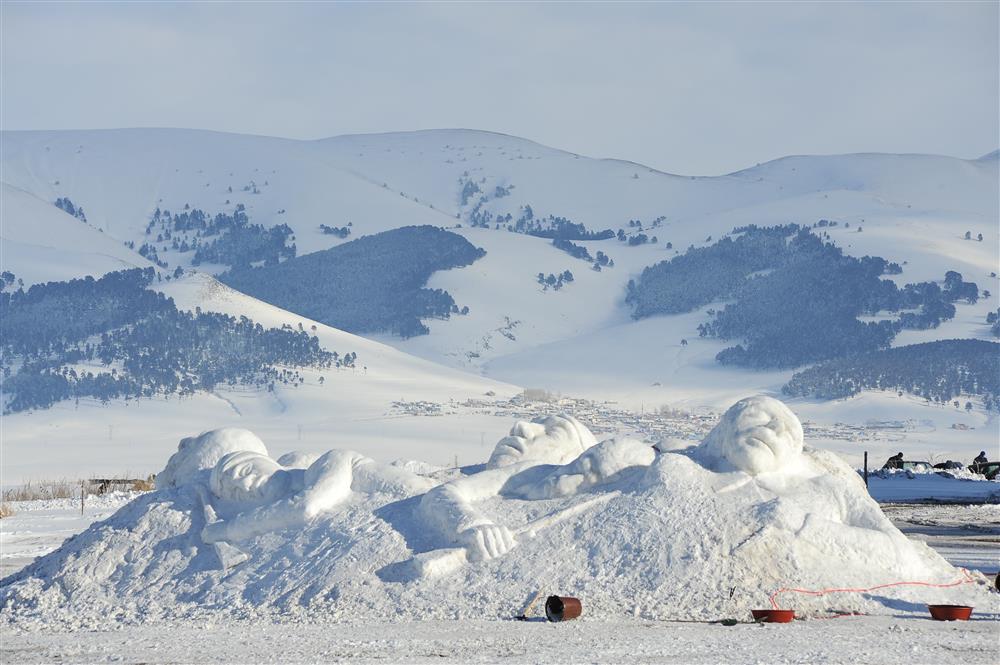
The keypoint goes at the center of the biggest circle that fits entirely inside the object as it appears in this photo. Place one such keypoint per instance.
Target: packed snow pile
(705, 532)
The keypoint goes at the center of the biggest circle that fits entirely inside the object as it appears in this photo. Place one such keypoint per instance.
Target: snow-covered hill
(120, 177)
(40, 243)
(579, 340)
(333, 408)
(348, 407)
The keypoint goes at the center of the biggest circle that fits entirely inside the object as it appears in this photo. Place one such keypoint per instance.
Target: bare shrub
(59, 489)
(5, 510)
(70, 489)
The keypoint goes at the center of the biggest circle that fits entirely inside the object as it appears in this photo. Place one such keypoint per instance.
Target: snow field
(876, 640)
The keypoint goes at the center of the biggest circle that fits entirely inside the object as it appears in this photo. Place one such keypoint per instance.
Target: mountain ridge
(483, 132)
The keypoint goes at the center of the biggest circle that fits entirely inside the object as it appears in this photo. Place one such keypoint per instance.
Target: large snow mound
(707, 532)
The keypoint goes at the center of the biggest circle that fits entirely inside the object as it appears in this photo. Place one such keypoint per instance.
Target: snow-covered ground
(39, 526)
(933, 486)
(968, 536)
(139, 580)
(41, 243)
(876, 640)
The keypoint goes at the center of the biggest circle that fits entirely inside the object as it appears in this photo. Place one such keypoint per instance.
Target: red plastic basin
(950, 612)
(773, 616)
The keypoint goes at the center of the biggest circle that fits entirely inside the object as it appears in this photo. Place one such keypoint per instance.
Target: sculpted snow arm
(519, 460)
(449, 510)
(328, 480)
(598, 465)
(243, 526)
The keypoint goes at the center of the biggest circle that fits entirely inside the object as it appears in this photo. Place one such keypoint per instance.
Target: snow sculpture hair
(199, 453)
(756, 435)
(547, 439)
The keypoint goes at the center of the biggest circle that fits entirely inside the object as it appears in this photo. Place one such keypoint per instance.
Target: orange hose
(810, 592)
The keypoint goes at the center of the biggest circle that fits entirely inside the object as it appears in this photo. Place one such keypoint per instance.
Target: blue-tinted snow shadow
(899, 605)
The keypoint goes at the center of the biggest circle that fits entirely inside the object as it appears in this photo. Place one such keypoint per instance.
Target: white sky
(687, 88)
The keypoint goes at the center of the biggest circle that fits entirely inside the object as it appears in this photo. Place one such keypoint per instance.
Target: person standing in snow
(894, 462)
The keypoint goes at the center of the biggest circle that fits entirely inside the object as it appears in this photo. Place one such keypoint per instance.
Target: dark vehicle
(949, 465)
(989, 469)
(907, 464)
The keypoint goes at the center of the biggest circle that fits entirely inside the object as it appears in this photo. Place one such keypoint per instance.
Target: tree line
(113, 338)
(372, 284)
(937, 371)
(795, 299)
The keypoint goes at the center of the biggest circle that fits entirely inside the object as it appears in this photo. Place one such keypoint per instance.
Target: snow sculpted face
(249, 478)
(198, 453)
(756, 435)
(546, 440)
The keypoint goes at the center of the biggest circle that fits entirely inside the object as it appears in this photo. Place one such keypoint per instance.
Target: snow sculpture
(245, 492)
(756, 435)
(664, 534)
(254, 494)
(549, 439)
(297, 459)
(196, 454)
(812, 499)
(554, 456)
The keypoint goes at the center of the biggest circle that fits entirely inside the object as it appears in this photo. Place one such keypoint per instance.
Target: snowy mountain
(349, 407)
(579, 339)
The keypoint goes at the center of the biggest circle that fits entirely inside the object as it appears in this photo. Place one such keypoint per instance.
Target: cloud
(687, 88)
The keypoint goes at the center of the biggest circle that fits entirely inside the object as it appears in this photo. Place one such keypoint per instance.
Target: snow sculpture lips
(756, 435)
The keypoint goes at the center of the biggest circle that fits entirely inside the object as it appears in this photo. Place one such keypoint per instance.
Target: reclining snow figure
(249, 493)
(810, 496)
(553, 456)
(558, 456)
